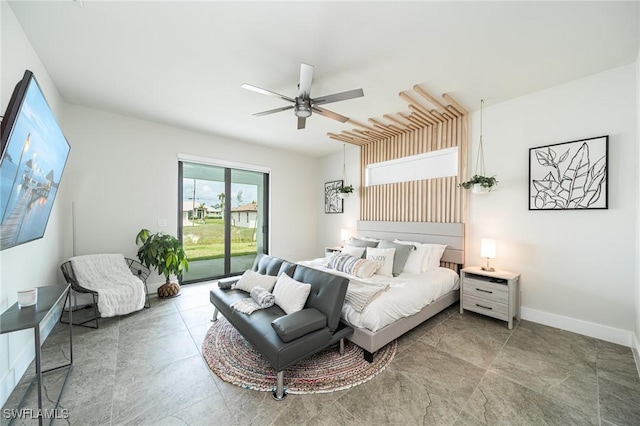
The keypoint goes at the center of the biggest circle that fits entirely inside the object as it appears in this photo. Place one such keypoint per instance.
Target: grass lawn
(205, 240)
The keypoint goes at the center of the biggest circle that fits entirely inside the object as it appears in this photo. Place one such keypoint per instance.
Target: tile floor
(146, 368)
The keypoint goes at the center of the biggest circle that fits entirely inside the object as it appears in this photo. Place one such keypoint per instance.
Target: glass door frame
(228, 166)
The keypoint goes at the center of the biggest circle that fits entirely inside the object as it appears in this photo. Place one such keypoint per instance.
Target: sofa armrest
(295, 325)
(226, 283)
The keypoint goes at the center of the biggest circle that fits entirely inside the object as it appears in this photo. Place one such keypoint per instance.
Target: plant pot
(344, 195)
(167, 290)
(479, 189)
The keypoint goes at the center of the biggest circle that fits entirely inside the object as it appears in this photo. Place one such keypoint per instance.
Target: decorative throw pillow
(384, 257)
(353, 250)
(290, 295)
(361, 268)
(416, 257)
(399, 257)
(250, 279)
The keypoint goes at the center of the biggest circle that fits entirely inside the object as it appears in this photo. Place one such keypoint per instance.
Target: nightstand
(495, 294)
(328, 251)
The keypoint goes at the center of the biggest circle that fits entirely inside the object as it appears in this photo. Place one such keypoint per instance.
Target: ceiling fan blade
(330, 114)
(267, 92)
(302, 121)
(272, 111)
(336, 97)
(306, 78)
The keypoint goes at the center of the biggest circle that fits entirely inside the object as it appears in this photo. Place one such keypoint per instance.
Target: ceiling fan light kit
(304, 105)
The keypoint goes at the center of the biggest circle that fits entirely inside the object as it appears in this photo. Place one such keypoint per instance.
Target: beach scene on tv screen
(30, 172)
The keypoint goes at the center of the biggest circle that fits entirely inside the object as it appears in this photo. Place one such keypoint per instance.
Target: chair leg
(67, 298)
(214, 318)
(341, 350)
(279, 393)
(96, 314)
(95, 309)
(147, 303)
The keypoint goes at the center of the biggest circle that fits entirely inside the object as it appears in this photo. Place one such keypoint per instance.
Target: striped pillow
(361, 268)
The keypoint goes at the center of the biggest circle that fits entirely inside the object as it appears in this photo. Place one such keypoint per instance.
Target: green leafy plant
(162, 252)
(346, 189)
(484, 181)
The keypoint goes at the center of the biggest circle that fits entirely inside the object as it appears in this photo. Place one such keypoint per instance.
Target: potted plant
(480, 184)
(164, 253)
(344, 191)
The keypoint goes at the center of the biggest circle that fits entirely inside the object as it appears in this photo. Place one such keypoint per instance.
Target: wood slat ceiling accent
(425, 110)
(431, 125)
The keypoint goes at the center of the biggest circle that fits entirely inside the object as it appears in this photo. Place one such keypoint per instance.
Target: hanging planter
(345, 191)
(480, 183)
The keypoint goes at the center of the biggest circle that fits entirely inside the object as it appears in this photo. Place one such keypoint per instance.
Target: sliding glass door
(224, 217)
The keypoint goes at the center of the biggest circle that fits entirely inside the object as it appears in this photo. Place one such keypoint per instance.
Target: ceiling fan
(303, 105)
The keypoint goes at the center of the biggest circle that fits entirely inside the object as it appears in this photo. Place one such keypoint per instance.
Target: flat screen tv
(34, 153)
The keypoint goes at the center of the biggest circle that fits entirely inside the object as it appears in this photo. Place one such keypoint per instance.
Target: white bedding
(407, 295)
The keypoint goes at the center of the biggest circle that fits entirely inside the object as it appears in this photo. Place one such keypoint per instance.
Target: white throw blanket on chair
(119, 291)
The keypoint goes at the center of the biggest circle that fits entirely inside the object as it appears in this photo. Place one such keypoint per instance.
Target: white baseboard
(591, 329)
(636, 351)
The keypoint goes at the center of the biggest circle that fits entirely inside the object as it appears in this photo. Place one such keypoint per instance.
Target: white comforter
(407, 295)
(119, 291)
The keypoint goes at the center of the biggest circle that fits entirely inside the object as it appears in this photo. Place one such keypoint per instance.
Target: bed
(371, 334)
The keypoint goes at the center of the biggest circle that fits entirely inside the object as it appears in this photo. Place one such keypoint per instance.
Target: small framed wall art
(569, 175)
(332, 201)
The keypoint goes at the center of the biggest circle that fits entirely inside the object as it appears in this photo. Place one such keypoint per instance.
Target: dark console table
(16, 318)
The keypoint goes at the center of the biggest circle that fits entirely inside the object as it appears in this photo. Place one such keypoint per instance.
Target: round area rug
(235, 361)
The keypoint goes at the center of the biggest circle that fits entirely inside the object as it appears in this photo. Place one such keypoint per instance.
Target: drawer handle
(485, 307)
(483, 290)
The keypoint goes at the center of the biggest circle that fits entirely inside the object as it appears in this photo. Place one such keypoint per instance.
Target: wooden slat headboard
(451, 234)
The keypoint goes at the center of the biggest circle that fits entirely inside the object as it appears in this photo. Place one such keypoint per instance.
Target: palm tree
(221, 198)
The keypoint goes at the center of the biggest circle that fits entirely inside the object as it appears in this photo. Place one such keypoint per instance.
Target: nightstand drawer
(486, 307)
(486, 290)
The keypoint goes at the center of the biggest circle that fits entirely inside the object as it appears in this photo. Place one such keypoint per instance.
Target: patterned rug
(235, 361)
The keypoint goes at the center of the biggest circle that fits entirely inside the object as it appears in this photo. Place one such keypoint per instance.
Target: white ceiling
(182, 63)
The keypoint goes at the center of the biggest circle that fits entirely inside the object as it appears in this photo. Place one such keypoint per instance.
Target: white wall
(329, 225)
(123, 176)
(36, 263)
(578, 267)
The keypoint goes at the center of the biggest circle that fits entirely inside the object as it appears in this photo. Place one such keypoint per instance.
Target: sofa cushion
(327, 292)
(268, 265)
(297, 324)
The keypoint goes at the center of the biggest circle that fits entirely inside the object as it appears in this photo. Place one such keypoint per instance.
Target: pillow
(250, 279)
(416, 257)
(290, 295)
(434, 254)
(399, 257)
(353, 250)
(361, 268)
(358, 242)
(384, 257)
(415, 260)
(375, 240)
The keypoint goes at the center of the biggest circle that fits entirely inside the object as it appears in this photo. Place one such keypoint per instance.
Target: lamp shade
(345, 234)
(488, 248)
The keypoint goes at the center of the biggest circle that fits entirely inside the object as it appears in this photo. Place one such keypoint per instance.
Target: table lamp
(488, 250)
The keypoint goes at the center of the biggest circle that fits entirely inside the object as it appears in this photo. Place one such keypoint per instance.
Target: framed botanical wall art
(569, 175)
(332, 201)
